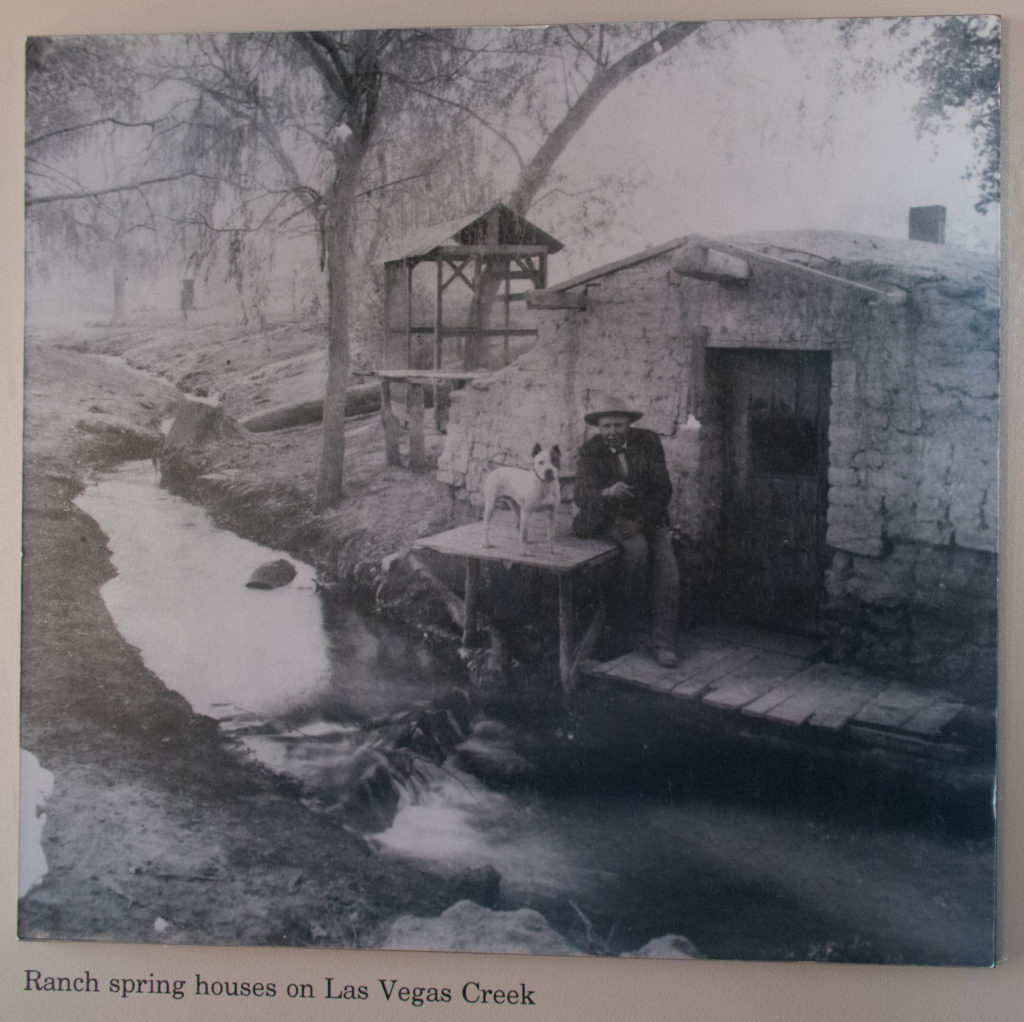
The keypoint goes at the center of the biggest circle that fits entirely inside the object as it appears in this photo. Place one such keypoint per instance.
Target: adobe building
(828, 405)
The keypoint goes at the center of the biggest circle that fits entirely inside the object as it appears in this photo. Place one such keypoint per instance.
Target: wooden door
(774, 417)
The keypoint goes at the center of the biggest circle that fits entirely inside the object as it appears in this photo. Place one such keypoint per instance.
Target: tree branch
(603, 82)
(46, 135)
(38, 200)
(329, 61)
(468, 111)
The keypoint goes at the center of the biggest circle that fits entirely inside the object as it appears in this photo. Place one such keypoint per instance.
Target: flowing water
(302, 683)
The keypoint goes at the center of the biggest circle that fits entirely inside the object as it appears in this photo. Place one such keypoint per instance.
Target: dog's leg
(523, 519)
(551, 530)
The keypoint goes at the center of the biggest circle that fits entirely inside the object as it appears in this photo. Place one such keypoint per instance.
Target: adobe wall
(913, 433)
(627, 342)
(912, 437)
(913, 491)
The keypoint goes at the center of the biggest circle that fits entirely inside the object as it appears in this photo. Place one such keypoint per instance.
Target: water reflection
(295, 678)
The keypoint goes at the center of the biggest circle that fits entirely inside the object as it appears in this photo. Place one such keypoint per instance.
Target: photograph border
(566, 988)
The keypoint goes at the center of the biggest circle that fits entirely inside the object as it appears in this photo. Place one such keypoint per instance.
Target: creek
(610, 858)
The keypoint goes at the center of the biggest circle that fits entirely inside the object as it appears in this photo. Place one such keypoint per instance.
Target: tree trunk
(117, 319)
(338, 231)
(535, 173)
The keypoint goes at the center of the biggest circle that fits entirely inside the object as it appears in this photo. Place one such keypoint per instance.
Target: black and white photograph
(517, 490)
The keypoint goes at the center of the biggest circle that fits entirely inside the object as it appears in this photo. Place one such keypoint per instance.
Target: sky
(762, 129)
(750, 126)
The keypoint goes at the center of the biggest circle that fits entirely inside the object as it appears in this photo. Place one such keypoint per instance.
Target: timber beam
(556, 300)
(705, 263)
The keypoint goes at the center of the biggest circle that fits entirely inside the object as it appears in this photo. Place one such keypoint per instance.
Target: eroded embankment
(155, 829)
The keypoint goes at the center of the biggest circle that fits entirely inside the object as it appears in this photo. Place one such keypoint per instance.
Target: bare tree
(81, 111)
(277, 127)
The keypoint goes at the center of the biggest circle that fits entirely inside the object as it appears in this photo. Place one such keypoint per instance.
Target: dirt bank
(156, 830)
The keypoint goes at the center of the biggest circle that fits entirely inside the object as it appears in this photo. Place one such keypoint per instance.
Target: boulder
(671, 945)
(490, 752)
(272, 575)
(466, 926)
(198, 423)
(187, 451)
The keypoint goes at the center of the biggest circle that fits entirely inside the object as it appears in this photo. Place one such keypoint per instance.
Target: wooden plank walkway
(784, 680)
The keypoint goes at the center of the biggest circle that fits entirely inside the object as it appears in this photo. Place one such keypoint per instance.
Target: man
(622, 491)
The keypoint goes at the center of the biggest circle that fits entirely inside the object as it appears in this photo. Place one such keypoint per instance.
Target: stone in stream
(672, 945)
(466, 926)
(272, 575)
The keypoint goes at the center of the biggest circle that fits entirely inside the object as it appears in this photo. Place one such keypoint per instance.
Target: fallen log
(359, 400)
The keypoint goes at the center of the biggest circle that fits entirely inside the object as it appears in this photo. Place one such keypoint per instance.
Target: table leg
(387, 414)
(565, 636)
(417, 440)
(472, 600)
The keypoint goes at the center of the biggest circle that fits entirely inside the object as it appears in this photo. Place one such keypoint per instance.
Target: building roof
(888, 267)
(470, 229)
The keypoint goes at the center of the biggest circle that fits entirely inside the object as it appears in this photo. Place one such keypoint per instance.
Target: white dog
(534, 489)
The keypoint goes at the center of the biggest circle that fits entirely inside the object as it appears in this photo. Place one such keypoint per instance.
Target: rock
(196, 424)
(490, 753)
(466, 926)
(272, 575)
(197, 428)
(671, 945)
(431, 733)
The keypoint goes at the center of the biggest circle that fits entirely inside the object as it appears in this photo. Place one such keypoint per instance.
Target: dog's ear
(556, 456)
(536, 450)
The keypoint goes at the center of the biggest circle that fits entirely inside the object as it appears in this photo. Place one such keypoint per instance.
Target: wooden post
(408, 315)
(473, 351)
(390, 421)
(472, 596)
(565, 636)
(439, 412)
(414, 412)
(508, 307)
(698, 371)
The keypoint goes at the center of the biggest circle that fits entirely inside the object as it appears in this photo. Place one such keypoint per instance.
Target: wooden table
(568, 556)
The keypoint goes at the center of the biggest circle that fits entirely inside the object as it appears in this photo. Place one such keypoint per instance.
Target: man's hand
(617, 491)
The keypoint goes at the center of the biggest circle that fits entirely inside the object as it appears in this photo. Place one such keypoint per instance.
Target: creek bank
(182, 840)
(171, 832)
(210, 459)
(262, 487)
(360, 552)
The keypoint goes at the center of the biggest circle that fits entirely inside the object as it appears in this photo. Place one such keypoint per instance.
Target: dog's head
(546, 462)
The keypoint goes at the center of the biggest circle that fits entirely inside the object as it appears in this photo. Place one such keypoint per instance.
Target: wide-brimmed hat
(607, 404)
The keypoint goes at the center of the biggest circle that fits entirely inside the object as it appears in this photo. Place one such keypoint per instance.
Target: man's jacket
(597, 468)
